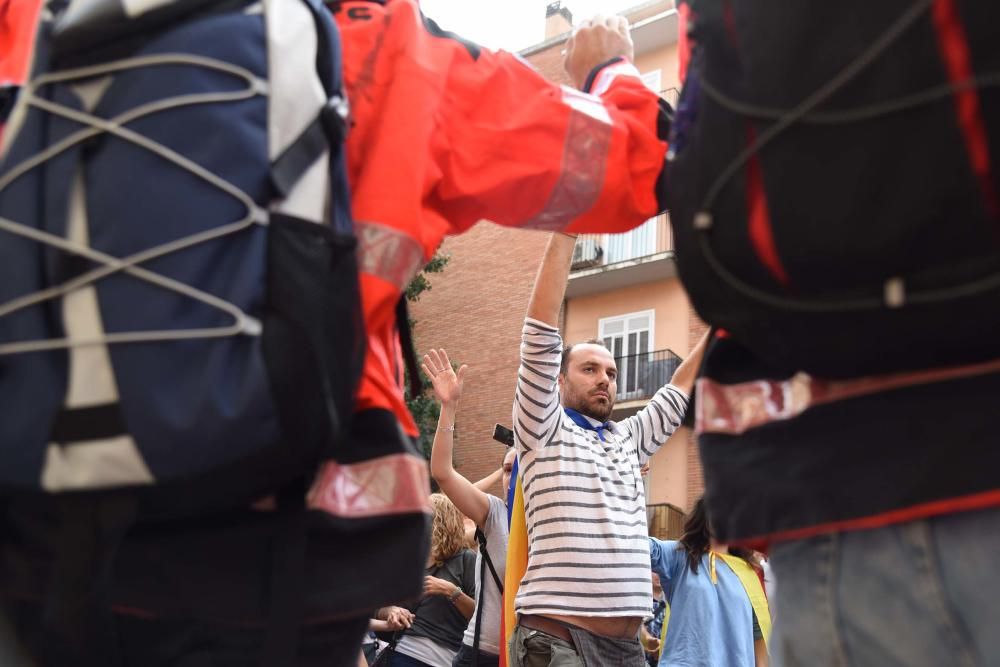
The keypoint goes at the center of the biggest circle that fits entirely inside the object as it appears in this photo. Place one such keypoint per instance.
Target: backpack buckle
(335, 117)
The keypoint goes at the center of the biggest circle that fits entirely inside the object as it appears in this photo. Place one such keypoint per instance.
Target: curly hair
(448, 531)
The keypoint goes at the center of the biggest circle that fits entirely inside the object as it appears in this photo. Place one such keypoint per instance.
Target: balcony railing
(641, 375)
(651, 238)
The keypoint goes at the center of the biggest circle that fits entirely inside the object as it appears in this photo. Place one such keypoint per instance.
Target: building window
(630, 339)
(652, 80)
(639, 242)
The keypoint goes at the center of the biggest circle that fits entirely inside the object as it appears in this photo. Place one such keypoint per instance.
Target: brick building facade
(476, 307)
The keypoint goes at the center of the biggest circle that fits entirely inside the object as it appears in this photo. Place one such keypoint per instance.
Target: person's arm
(469, 500)
(761, 658)
(656, 422)
(376, 625)
(650, 644)
(550, 283)
(663, 556)
(463, 602)
(391, 618)
(537, 413)
(560, 159)
(687, 372)
(488, 481)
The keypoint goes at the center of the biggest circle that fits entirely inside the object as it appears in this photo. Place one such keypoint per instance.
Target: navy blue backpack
(180, 322)
(179, 310)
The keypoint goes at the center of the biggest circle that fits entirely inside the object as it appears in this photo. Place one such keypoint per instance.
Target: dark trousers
(400, 660)
(464, 658)
(160, 642)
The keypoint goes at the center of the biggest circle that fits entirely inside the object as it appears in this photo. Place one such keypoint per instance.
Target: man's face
(590, 382)
(508, 466)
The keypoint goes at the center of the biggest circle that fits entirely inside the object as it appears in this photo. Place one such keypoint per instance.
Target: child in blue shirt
(711, 620)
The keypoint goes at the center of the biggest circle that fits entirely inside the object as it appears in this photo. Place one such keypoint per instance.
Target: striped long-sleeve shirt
(585, 505)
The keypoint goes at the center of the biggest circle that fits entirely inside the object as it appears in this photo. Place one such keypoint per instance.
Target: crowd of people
(585, 594)
(881, 528)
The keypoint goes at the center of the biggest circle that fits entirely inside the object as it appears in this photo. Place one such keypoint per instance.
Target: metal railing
(641, 375)
(595, 249)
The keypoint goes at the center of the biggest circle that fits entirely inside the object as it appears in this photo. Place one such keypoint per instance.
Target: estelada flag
(517, 559)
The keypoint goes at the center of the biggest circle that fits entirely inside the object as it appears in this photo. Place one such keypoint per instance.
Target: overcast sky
(509, 24)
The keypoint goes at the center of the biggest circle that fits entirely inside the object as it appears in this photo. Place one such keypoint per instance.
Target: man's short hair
(564, 362)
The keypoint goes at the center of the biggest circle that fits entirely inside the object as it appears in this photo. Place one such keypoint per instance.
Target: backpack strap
(484, 561)
(481, 538)
(479, 602)
(329, 129)
(286, 602)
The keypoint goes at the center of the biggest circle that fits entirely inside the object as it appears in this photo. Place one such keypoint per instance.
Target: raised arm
(469, 500)
(664, 413)
(537, 413)
(488, 481)
(686, 373)
(560, 159)
(550, 283)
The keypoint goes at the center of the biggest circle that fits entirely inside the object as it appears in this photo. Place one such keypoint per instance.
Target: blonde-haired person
(441, 615)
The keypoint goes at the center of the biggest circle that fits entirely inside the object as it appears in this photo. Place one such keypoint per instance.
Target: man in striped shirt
(587, 585)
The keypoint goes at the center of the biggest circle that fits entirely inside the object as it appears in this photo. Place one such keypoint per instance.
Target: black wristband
(589, 82)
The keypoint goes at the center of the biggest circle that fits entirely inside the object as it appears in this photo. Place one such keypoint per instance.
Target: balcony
(603, 262)
(641, 375)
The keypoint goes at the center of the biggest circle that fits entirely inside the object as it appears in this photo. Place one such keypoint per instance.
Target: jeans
(923, 593)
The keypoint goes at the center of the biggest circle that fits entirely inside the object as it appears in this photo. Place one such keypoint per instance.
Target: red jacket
(17, 24)
(446, 134)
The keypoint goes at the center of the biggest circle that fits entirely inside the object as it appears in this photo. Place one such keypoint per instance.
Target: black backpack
(834, 175)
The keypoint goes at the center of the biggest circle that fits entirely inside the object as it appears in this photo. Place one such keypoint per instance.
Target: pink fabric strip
(736, 408)
(390, 485)
(388, 253)
(584, 162)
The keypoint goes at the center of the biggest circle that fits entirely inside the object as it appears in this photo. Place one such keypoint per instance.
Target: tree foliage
(424, 408)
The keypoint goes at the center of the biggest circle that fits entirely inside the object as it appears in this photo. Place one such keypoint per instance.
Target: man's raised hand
(447, 383)
(594, 42)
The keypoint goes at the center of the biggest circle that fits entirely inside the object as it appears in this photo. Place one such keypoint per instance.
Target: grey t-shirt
(495, 529)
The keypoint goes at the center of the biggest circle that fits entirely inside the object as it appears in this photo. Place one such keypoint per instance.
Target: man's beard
(595, 410)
